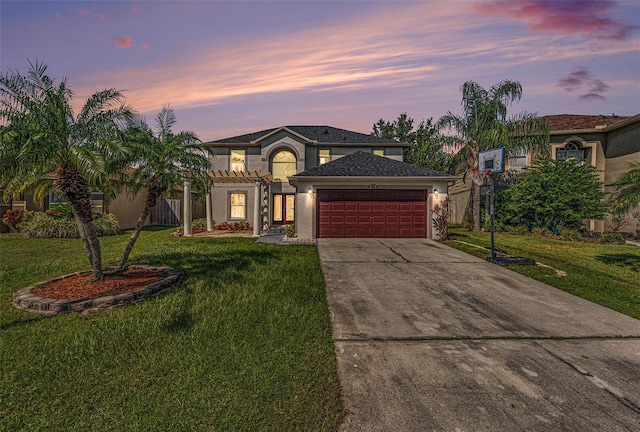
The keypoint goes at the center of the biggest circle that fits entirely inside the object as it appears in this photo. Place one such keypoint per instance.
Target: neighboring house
(610, 143)
(330, 182)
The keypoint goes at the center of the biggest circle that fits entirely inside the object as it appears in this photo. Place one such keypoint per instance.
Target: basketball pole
(491, 211)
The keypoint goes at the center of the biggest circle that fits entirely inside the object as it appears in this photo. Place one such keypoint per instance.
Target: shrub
(554, 194)
(441, 218)
(570, 234)
(541, 232)
(519, 230)
(290, 230)
(196, 225)
(612, 238)
(12, 218)
(60, 211)
(40, 225)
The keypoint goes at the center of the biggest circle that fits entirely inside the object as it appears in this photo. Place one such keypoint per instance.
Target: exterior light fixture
(310, 191)
(436, 195)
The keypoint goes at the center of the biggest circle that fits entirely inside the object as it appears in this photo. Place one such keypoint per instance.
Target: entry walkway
(431, 339)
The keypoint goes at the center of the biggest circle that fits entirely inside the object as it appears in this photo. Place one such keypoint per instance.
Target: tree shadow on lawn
(214, 268)
(625, 260)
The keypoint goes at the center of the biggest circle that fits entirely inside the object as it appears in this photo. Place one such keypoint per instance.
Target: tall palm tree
(163, 161)
(43, 144)
(484, 125)
(627, 191)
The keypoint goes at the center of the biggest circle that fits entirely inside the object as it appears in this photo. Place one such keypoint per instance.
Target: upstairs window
(238, 158)
(283, 165)
(324, 156)
(378, 152)
(572, 151)
(517, 160)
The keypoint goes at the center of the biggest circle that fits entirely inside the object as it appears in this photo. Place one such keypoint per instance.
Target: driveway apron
(429, 338)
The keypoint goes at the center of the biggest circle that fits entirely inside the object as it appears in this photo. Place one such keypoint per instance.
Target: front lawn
(244, 344)
(605, 274)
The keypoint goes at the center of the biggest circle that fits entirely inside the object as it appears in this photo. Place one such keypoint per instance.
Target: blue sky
(235, 67)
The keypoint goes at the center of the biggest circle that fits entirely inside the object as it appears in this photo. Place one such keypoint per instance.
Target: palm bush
(41, 225)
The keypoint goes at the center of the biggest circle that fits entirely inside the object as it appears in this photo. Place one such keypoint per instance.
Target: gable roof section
(363, 164)
(315, 134)
(570, 122)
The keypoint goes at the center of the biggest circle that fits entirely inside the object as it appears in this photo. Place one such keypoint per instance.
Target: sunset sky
(234, 67)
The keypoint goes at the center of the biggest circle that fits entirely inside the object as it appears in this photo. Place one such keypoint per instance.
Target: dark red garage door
(371, 213)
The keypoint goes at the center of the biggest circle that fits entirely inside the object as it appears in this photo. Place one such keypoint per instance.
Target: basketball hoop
(480, 177)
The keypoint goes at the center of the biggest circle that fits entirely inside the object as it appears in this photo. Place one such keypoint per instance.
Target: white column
(207, 202)
(257, 202)
(186, 211)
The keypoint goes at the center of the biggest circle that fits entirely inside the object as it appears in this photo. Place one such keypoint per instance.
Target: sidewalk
(276, 235)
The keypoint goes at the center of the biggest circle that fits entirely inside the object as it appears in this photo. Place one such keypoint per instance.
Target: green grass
(244, 344)
(605, 274)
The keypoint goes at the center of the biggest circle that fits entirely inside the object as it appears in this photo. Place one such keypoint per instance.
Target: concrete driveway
(432, 339)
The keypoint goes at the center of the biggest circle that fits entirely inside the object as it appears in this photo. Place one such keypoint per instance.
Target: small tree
(441, 218)
(627, 191)
(44, 144)
(162, 161)
(427, 148)
(554, 194)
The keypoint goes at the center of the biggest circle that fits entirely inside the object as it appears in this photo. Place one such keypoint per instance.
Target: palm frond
(165, 120)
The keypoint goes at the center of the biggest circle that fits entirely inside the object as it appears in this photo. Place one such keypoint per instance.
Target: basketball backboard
(491, 160)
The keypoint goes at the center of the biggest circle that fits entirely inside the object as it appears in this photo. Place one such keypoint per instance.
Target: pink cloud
(563, 17)
(84, 12)
(124, 42)
(592, 97)
(145, 46)
(581, 77)
(575, 79)
(134, 9)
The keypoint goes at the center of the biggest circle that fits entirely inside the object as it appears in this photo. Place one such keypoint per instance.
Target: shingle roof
(321, 134)
(363, 164)
(578, 122)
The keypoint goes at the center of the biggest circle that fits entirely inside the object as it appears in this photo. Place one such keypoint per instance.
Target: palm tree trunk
(475, 202)
(83, 237)
(132, 240)
(76, 191)
(153, 193)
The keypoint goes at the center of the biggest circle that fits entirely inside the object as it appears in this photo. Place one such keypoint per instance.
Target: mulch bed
(75, 287)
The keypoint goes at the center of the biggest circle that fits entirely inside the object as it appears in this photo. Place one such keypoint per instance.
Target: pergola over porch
(260, 179)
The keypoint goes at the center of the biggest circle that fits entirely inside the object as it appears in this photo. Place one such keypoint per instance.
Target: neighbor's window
(572, 150)
(238, 160)
(55, 197)
(238, 205)
(283, 165)
(324, 156)
(378, 152)
(517, 160)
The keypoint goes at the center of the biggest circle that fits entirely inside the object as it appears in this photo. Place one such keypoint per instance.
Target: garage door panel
(351, 220)
(391, 219)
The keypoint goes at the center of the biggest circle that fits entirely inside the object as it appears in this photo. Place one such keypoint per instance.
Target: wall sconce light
(436, 195)
(310, 191)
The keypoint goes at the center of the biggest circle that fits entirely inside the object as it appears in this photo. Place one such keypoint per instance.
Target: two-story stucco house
(330, 182)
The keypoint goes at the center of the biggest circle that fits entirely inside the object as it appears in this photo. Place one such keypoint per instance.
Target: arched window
(283, 165)
(572, 150)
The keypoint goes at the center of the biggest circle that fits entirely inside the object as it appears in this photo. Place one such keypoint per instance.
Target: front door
(283, 209)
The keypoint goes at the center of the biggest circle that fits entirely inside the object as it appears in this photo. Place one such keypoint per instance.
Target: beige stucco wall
(221, 201)
(127, 211)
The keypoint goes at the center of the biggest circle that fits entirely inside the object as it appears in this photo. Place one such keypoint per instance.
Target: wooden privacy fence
(168, 212)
